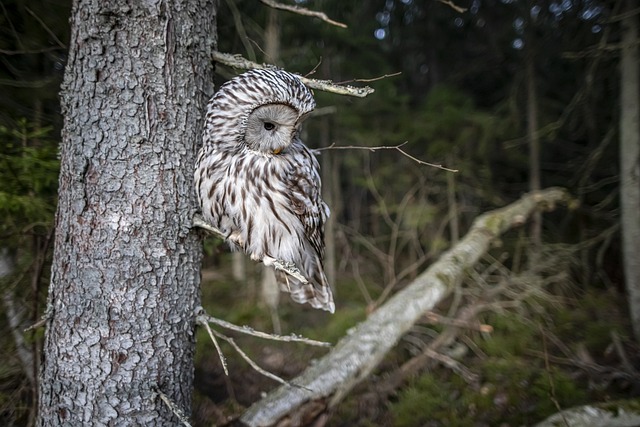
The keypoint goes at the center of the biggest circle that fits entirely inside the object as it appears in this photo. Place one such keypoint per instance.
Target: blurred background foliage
(456, 91)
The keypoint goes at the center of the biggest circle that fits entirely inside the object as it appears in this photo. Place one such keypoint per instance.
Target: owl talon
(289, 268)
(200, 222)
(236, 239)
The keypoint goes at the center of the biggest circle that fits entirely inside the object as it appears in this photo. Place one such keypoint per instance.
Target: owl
(259, 184)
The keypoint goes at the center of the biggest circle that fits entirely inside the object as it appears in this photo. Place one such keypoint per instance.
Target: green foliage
(592, 318)
(512, 335)
(512, 391)
(426, 400)
(29, 176)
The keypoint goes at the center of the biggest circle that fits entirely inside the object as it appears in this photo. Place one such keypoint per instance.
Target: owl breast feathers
(259, 184)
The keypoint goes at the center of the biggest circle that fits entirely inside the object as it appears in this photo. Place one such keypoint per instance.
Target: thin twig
(386, 147)
(213, 334)
(239, 27)
(314, 69)
(456, 366)
(547, 368)
(453, 6)
(173, 407)
(223, 361)
(46, 28)
(373, 79)
(237, 61)
(442, 320)
(202, 318)
(590, 368)
(617, 343)
(253, 364)
(44, 319)
(302, 11)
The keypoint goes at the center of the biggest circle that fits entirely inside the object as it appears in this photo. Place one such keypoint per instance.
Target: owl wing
(306, 201)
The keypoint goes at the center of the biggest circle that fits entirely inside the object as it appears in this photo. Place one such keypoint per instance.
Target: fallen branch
(325, 383)
(237, 61)
(622, 413)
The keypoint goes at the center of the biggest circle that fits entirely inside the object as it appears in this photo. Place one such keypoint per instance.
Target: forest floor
(527, 361)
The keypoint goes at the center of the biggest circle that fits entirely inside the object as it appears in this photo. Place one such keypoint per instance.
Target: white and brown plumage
(259, 184)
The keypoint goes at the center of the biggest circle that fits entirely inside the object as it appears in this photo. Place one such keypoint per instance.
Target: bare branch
(302, 11)
(454, 365)
(239, 27)
(253, 364)
(433, 317)
(223, 361)
(173, 407)
(46, 28)
(237, 61)
(373, 79)
(386, 147)
(453, 6)
(202, 318)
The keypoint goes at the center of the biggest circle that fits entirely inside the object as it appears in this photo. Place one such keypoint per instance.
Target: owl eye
(269, 126)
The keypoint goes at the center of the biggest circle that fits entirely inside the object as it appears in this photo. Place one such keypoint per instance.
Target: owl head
(261, 110)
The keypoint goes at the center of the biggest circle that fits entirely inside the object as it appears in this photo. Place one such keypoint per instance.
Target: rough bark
(630, 161)
(125, 274)
(326, 382)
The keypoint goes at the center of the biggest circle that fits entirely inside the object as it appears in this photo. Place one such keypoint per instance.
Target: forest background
(515, 95)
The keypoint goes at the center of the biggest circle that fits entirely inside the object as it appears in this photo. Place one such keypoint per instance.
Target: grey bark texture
(126, 267)
(327, 381)
(630, 161)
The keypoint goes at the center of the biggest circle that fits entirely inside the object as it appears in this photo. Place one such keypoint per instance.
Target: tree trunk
(125, 274)
(630, 162)
(534, 148)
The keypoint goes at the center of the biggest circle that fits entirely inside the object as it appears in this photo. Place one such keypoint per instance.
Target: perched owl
(259, 184)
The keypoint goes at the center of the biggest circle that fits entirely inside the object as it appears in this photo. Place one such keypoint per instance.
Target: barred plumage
(259, 184)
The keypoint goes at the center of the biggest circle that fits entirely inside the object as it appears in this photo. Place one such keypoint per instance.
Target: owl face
(271, 128)
(260, 110)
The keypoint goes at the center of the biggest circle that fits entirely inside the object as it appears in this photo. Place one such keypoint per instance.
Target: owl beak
(277, 150)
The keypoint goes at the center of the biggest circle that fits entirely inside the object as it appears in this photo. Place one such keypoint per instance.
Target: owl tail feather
(316, 291)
